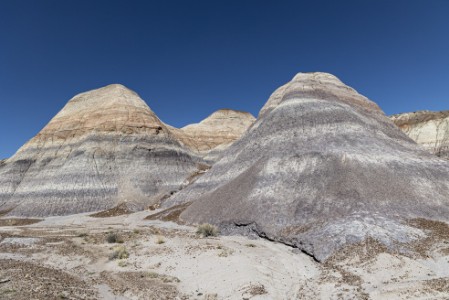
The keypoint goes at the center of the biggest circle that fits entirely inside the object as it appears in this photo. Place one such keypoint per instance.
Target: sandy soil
(70, 258)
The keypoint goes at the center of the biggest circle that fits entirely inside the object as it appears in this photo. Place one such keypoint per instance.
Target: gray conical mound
(104, 148)
(322, 167)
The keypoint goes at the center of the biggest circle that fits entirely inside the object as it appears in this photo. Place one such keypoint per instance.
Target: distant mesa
(429, 129)
(321, 168)
(216, 133)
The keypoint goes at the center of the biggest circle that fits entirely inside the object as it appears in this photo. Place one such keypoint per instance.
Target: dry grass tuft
(120, 252)
(206, 230)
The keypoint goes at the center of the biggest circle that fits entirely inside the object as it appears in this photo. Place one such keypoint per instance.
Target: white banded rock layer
(215, 133)
(104, 148)
(321, 168)
(429, 129)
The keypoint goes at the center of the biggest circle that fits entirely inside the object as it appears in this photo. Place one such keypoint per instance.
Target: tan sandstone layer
(427, 128)
(215, 133)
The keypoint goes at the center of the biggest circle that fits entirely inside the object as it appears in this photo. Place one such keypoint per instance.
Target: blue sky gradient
(187, 59)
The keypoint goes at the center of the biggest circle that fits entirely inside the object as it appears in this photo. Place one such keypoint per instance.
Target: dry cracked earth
(131, 257)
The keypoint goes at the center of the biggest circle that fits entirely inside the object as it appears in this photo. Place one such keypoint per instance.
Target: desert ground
(130, 257)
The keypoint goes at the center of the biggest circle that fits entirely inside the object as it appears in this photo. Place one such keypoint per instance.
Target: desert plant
(153, 275)
(160, 240)
(225, 252)
(120, 252)
(170, 279)
(206, 230)
(7, 291)
(163, 278)
(257, 289)
(122, 263)
(111, 238)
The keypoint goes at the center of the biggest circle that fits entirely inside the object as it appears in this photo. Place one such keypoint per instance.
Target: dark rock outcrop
(321, 168)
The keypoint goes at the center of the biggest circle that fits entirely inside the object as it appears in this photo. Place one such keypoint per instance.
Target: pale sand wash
(321, 168)
(429, 129)
(68, 257)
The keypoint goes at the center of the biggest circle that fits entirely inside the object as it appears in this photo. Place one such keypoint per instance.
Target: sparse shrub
(170, 279)
(250, 245)
(136, 231)
(153, 275)
(160, 240)
(82, 234)
(7, 291)
(122, 263)
(225, 252)
(163, 278)
(206, 230)
(257, 289)
(120, 252)
(111, 238)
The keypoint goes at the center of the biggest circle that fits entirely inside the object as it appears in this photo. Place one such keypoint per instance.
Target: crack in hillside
(99, 175)
(254, 229)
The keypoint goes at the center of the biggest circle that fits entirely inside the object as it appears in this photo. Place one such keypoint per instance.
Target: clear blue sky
(187, 59)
